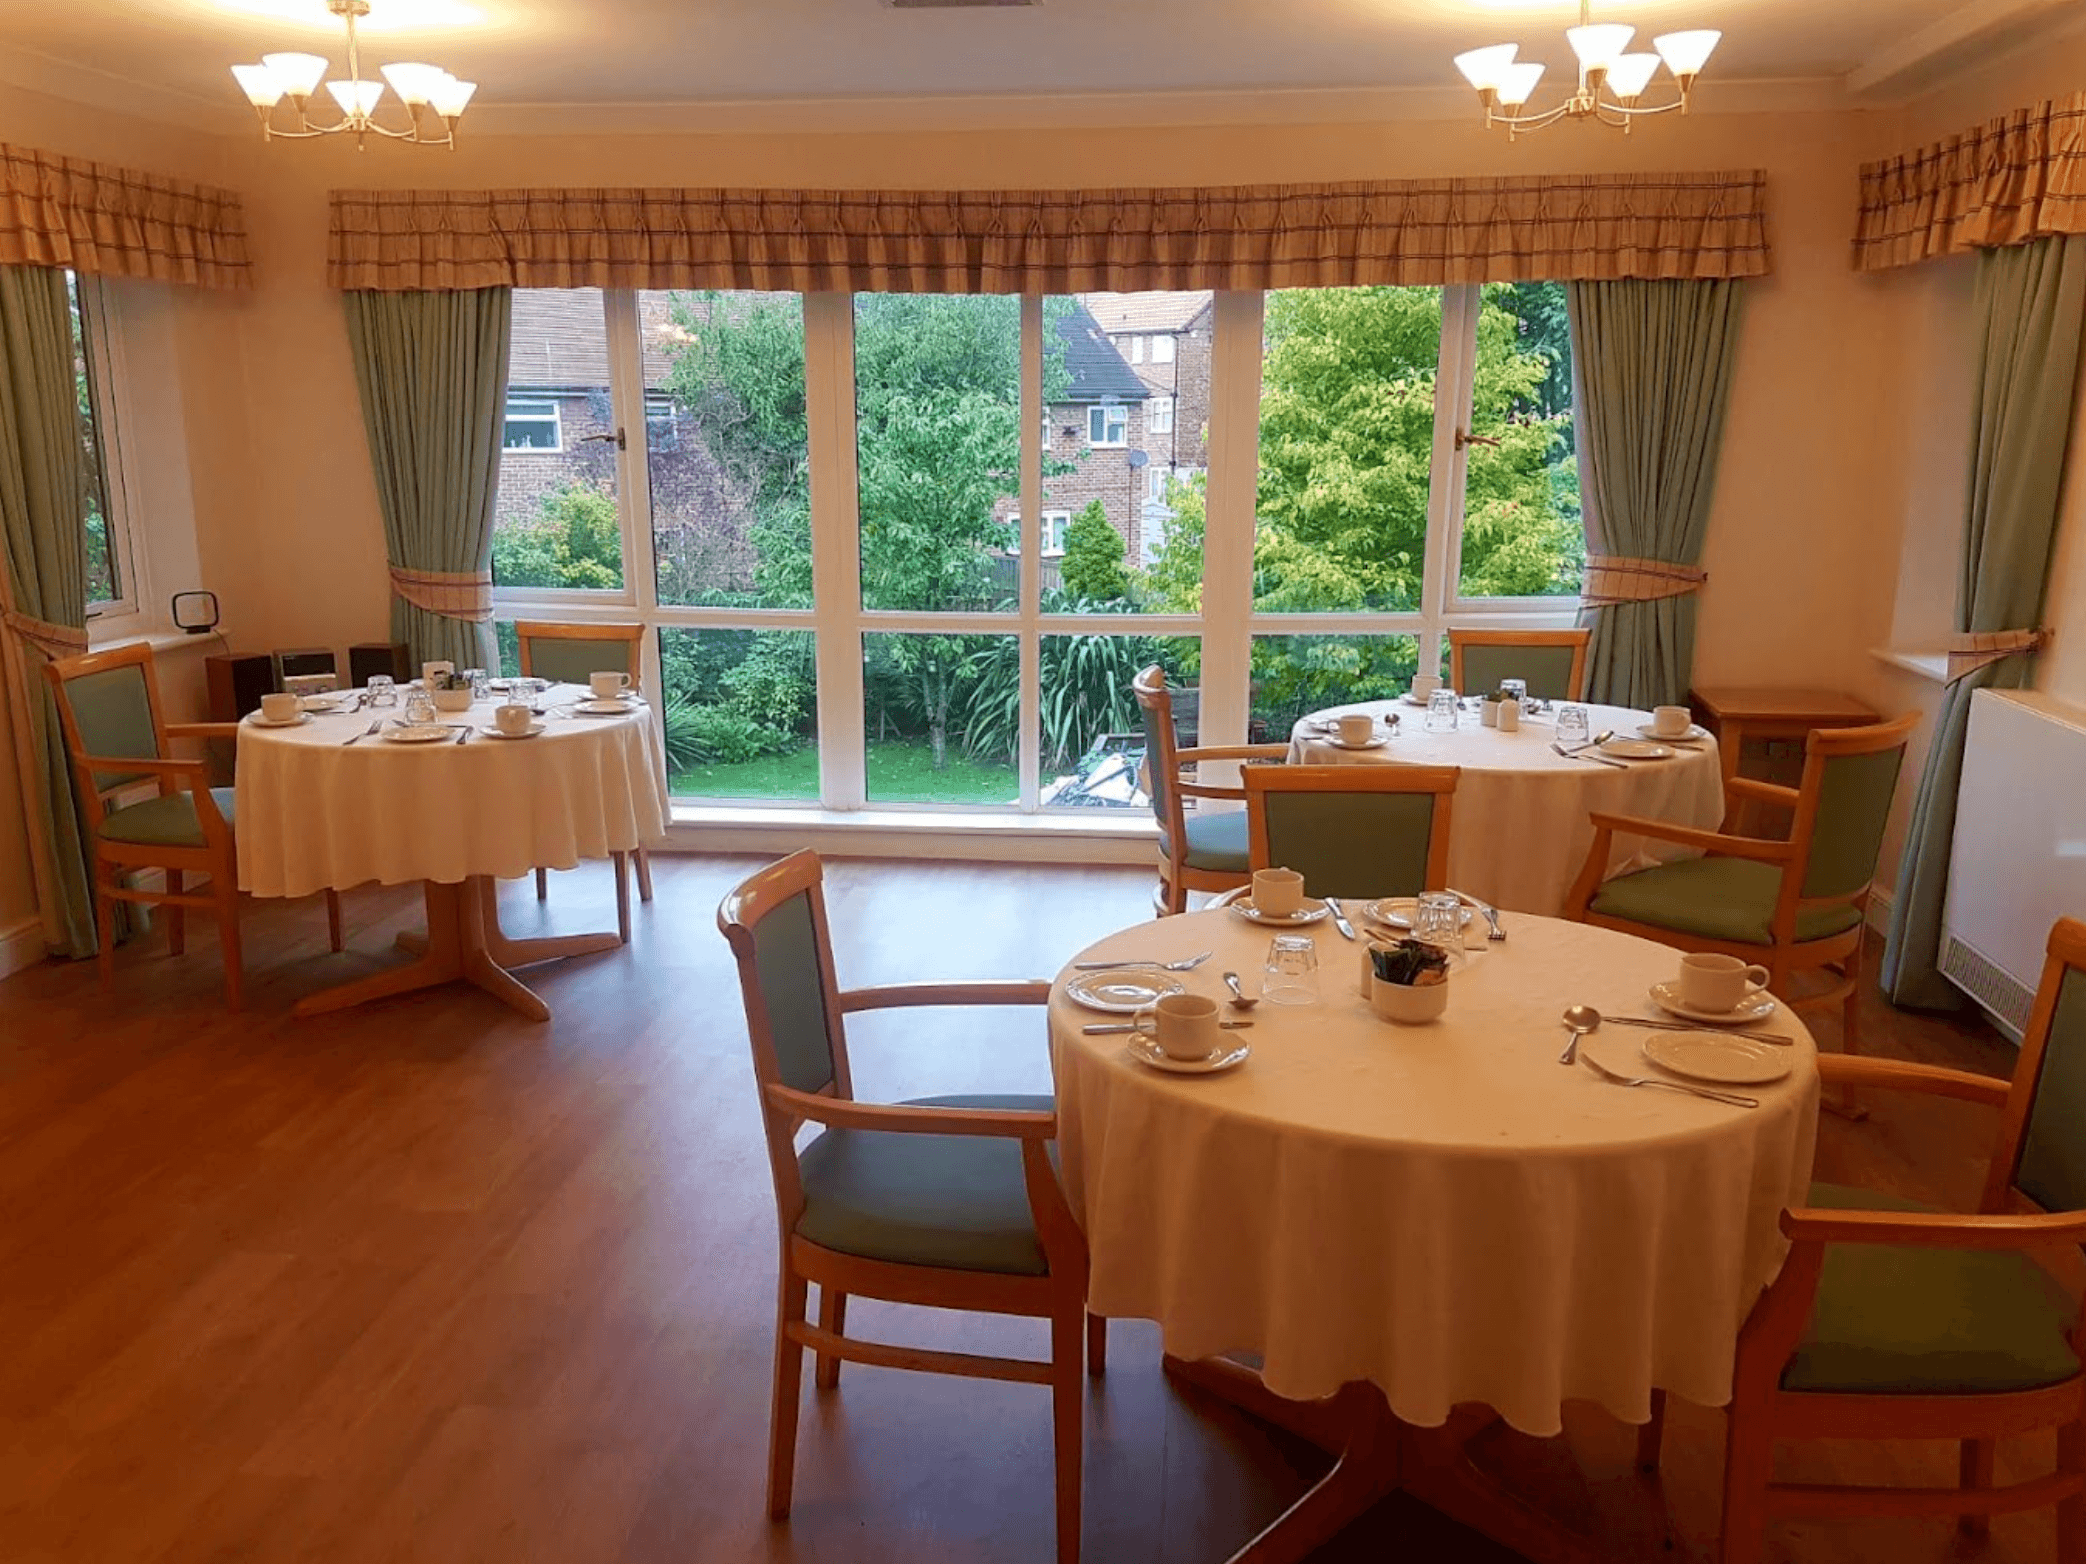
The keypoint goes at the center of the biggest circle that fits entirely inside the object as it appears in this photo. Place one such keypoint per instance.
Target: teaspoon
(1239, 1001)
(1579, 1020)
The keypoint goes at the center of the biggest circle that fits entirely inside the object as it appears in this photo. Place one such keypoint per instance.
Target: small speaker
(377, 657)
(236, 684)
(195, 612)
(291, 664)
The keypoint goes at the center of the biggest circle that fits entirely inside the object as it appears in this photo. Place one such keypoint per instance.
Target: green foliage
(1296, 674)
(573, 541)
(1085, 692)
(1092, 567)
(718, 735)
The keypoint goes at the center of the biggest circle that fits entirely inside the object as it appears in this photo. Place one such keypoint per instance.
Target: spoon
(1579, 1020)
(1239, 1001)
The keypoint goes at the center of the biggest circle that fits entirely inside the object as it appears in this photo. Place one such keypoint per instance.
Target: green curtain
(432, 370)
(43, 519)
(2031, 309)
(1653, 361)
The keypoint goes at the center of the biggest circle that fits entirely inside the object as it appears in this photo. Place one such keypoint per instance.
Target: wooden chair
(948, 1202)
(1552, 662)
(1353, 830)
(571, 654)
(1201, 852)
(109, 710)
(1794, 906)
(1890, 1320)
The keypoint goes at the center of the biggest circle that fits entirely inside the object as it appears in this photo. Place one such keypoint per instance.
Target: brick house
(1165, 338)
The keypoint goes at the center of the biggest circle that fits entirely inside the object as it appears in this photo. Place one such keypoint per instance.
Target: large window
(557, 517)
(110, 587)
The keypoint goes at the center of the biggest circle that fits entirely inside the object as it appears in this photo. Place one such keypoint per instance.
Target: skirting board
(21, 945)
(1878, 915)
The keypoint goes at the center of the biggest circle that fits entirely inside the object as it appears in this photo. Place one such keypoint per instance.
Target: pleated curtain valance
(1549, 228)
(118, 222)
(2016, 178)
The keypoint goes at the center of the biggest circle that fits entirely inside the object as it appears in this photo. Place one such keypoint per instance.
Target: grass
(900, 772)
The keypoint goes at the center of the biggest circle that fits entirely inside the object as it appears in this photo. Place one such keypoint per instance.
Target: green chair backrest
(1853, 808)
(1351, 844)
(1546, 669)
(1158, 745)
(574, 660)
(113, 713)
(793, 987)
(2052, 1170)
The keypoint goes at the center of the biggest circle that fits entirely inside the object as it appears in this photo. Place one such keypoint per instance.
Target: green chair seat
(167, 821)
(955, 1201)
(1718, 898)
(1217, 843)
(1894, 1319)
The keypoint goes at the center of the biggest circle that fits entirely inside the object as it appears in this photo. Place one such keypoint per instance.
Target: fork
(1185, 964)
(1607, 1074)
(365, 733)
(1485, 910)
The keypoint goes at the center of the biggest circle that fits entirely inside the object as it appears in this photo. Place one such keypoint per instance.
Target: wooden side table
(1761, 733)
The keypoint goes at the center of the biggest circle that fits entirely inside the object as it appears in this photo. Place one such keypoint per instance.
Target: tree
(1093, 564)
(574, 540)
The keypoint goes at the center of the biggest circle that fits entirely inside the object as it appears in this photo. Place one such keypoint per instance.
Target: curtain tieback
(53, 640)
(1980, 648)
(454, 594)
(1613, 579)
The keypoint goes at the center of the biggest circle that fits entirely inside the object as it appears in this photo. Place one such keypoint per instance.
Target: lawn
(899, 773)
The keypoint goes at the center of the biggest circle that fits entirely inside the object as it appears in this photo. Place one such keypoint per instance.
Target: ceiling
(623, 52)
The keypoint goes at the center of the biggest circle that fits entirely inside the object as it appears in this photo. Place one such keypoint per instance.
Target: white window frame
(109, 379)
(1162, 348)
(1153, 422)
(1107, 412)
(555, 418)
(1051, 527)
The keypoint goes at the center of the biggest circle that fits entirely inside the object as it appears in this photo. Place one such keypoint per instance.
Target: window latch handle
(623, 445)
(1463, 437)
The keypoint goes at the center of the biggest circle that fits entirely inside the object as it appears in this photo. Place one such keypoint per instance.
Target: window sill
(161, 641)
(1004, 835)
(1926, 664)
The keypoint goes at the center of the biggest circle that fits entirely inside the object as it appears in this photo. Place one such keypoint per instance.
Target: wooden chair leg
(644, 875)
(228, 943)
(1096, 1345)
(177, 930)
(1067, 1421)
(1651, 1434)
(543, 885)
(105, 880)
(333, 920)
(1749, 1450)
(2071, 1512)
(832, 1317)
(622, 861)
(789, 1385)
(1977, 1474)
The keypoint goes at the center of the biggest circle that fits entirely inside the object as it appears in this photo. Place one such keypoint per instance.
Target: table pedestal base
(463, 944)
(1380, 1454)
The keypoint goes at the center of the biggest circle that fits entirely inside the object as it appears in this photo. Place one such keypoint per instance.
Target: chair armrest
(1765, 792)
(1209, 790)
(1934, 1229)
(202, 730)
(1713, 842)
(1898, 1074)
(887, 996)
(1189, 757)
(900, 1118)
(197, 770)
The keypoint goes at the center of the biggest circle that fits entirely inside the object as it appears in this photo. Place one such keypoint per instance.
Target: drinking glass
(1574, 726)
(475, 677)
(1441, 712)
(1437, 918)
(383, 690)
(1291, 974)
(1515, 690)
(419, 708)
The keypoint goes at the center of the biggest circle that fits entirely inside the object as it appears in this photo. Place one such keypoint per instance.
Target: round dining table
(333, 802)
(1411, 1232)
(1519, 831)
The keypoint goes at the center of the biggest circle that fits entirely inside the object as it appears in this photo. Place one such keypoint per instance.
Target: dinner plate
(419, 733)
(1123, 991)
(1694, 735)
(529, 732)
(1310, 913)
(1637, 749)
(1415, 700)
(260, 721)
(319, 702)
(1146, 1050)
(1396, 912)
(1757, 1008)
(607, 708)
(1730, 1061)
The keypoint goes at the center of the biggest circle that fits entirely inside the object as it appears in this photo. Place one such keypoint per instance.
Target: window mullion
(836, 553)
(1452, 409)
(1029, 747)
(1227, 560)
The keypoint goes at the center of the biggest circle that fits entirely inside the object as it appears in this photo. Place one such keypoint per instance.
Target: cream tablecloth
(1443, 1210)
(1520, 831)
(315, 811)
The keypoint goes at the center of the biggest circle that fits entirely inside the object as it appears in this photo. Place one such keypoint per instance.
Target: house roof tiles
(1097, 371)
(1117, 313)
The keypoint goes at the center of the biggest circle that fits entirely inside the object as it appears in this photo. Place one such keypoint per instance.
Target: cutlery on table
(1185, 964)
(1581, 754)
(365, 733)
(1239, 1001)
(1696, 1026)
(1578, 1020)
(1108, 1028)
(462, 734)
(1484, 910)
(1607, 1074)
(1339, 918)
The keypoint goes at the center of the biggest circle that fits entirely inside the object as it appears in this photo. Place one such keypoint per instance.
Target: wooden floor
(428, 1282)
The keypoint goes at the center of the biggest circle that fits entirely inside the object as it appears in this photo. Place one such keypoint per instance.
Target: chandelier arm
(1537, 121)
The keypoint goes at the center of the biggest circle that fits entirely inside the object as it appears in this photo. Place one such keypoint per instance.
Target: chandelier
(1611, 80)
(434, 100)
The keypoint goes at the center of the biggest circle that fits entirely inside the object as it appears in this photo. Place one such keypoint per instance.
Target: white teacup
(607, 686)
(1671, 722)
(1278, 892)
(1185, 1026)
(1357, 727)
(1424, 685)
(513, 718)
(281, 707)
(1713, 982)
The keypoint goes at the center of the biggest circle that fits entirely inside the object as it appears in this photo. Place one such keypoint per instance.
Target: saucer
(1122, 991)
(1146, 1050)
(615, 708)
(319, 702)
(419, 733)
(1636, 749)
(1396, 912)
(1694, 735)
(1757, 1008)
(1732, 1061)
(1338, 742)
(529, 732)
(1244, 908)
(260, 721)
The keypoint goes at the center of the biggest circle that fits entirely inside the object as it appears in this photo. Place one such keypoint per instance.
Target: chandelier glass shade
(433, 100)
(1612, 80)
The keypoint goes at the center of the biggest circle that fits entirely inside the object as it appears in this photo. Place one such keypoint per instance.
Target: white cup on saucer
(1185, 1026)
(1356, 727)
(513, 718)
(1424, 685)
(1672, 722)
(1278, 892)
(281, 707)
(1718, 983)
(608, 686)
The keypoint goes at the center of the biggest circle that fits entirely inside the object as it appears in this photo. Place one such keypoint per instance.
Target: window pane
(1346, 448)
(933, 737)
(938, 446)
(1522, 533)
(104, 577)
(1093, 736)
(555, 522)
(1297, 674)
(727, 448)
(741, 713)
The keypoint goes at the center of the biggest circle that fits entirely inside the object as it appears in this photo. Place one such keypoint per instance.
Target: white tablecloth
(1520, 830)
(314, 811)
(1443, 1210)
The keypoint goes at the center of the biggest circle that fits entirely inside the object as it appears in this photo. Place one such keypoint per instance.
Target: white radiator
(2020, 848)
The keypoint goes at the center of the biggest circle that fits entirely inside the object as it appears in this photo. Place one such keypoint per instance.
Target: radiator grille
(1989, 984)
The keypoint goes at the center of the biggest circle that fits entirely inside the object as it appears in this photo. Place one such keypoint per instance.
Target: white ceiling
(622, 52)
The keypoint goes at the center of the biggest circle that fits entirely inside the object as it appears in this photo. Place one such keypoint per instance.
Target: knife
(1339, 918)
(1105, 1028)
(1688, 1026)
(1580, 754)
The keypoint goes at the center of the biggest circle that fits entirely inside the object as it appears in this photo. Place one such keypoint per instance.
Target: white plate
(1758, 1008)
(1122, 991)
(1731, 1061)
(1637, 749)
(1694, 735)
(1310, 914)
(260, 721)
(606, 708)
(419, 733)
(1338, 742)
(1146, 1050)
(1396, 912)
(529, 732)
(1415, 700)
(319, 702)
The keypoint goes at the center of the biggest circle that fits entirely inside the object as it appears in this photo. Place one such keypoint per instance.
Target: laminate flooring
(428, 1282)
